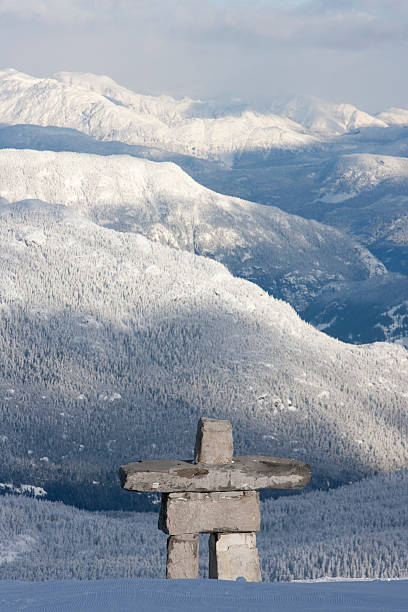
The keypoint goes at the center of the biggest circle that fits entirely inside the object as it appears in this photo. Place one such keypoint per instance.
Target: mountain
(98, 107)
(371, 310)
(324, 117)
(291, 257)
(394, 116)
(366, 195)
(363, 195)
(353, 175)
(41, 138)
(112, 346)
(255, 154)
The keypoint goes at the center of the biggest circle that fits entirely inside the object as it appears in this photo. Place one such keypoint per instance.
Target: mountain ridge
(98, 106)
(281, 252)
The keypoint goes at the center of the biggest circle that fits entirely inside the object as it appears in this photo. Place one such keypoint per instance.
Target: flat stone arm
(242, 474)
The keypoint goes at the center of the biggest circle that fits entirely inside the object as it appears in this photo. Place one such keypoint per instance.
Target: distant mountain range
(101, 108)
(330, 162)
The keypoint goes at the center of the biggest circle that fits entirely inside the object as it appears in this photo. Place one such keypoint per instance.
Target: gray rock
(234, 555)
(235, 511)
(242, 474)
(182, 556)
(214, 442)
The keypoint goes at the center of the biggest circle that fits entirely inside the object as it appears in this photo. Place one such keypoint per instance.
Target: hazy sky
(342, 50)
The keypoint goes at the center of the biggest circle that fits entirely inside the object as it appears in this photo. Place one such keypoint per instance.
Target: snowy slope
(363, 194)
(307, 134)
(112, 347)
(310, 112)
(324, 117)
(202, 595)
(289, 256)
(372, 310)
(394, 116)
(165, 108)
(367, 195)
(98, 107)
(352, 175)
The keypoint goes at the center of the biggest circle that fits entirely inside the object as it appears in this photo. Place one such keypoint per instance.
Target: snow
(203, 595)
(394, 116)
(323, 326)
(24, 488)
(324, 117)
(99, 107)
(353, 174)
(11, 550)
(86, 112)
(161, 201)
(398, 315)
(246, 327)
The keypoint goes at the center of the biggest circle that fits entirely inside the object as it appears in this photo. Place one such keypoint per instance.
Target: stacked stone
(216, 495)
(230, 517)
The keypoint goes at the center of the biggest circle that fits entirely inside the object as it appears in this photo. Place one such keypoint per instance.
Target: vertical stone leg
(182, 556)
(234, 555)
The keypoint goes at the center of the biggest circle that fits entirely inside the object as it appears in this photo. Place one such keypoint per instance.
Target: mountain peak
(323, 116)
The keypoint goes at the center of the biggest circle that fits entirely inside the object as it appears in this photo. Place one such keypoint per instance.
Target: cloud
(52, 11)
(330, 23)
(317, 23)
(340, 49)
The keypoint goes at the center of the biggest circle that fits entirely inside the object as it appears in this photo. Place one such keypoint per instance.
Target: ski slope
(202, 595)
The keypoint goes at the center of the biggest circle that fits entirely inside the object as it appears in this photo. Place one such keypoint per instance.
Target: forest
(353, 531)
(113, 346)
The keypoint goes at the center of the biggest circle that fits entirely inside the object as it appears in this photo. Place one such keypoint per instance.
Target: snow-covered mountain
(324, 117)
(301, 154)
(367, 196)
(112, 346)
(361, 194)
(351, 176)
(394, 116)
(291, 257)
(368, 311)
(165, 108)
(98, 107)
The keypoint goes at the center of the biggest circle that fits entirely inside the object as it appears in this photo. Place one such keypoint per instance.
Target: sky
(341, 50)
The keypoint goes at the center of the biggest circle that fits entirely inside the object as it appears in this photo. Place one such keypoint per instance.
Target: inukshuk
(216, 495)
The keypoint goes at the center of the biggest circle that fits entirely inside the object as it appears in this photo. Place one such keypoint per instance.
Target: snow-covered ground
(200, 595)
